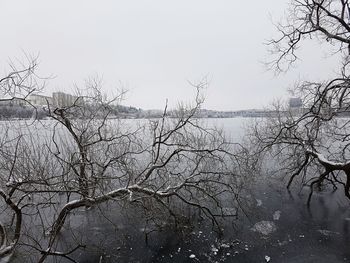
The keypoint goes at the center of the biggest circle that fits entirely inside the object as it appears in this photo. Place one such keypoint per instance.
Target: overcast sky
(153, 48)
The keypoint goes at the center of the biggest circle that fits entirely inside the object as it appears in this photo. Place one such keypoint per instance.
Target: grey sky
(154, 47)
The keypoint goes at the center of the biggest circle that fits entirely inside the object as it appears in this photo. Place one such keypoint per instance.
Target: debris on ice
(223, 245)
(214, 250)
(276, 215)
(327, 232)
(264, 227)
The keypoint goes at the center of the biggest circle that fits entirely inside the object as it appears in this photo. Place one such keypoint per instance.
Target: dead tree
(311, 143)
(325, 20)
(90, 156)
(15, 87)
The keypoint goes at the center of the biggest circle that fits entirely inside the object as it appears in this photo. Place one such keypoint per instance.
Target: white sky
(153, 48)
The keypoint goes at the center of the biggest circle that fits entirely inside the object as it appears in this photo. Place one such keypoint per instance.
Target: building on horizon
(62, 99)
(58, 99)
(295, 103)
(39, 100)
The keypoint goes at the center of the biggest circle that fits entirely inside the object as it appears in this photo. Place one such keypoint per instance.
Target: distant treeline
(120, 111)
(20, 112)
(11, 111)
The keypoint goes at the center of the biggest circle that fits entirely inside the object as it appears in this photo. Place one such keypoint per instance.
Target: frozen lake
(277, 226)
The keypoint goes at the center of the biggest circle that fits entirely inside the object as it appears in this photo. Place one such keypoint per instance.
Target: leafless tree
(21, 81)
(15, 86)
(88, 156)
(311, 143)
(325, 20)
